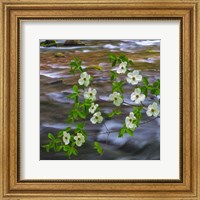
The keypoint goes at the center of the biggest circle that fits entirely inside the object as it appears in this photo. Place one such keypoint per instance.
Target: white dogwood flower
(84, 79)
(66, 138)
(116, 98)
(134, 77)
(90, 94)
(137, 96)
(97, 118)
(153, 109)
(80, 139)
(122, 68)
(93, 107)
(129, 121)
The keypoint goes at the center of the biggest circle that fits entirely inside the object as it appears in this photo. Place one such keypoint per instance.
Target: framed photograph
(99, 100)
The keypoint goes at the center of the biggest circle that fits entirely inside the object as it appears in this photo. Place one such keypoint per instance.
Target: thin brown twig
(149, 120)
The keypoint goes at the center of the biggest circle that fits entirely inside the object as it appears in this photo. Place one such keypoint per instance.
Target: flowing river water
(56, 84)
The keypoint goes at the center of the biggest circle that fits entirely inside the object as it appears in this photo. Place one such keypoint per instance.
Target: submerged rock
(73, 43)
(59, 55)
(48, 43)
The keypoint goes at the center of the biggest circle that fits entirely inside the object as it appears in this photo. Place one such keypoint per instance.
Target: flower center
(115, 98)
(84, 79)
(152, 110)
(96, 117)
(137, 96)
(90, 94)
(130, 120)
(133, 78)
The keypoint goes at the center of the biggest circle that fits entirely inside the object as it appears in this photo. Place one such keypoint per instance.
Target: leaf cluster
(56, 143)
(118, 87)
(153, 88)
(113, 113)
(119, 59)
(75, 65)
(98, 148)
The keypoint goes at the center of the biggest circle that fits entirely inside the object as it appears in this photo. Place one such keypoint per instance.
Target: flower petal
(139, 78)
(142, 97)
(93, 120)
(87, 82)
(137, 91)
(135, 72)
(149, 113)
(100, 119)
(81, 81)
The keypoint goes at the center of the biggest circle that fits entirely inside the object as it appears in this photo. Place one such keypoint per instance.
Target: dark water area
(56, 84)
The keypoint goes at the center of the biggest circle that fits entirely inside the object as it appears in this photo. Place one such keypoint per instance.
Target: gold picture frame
(12, 12)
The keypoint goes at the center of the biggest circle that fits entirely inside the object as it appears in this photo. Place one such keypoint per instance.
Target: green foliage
(76, 112)
(124, 130)
(51, 136)
(138, 114)
(152, 88)
(114, 112)
(95, 67)
(117, 87)
(119, 59)
(113, 59)
(76, 65)
(75, 94)
(98, 148)
(113, 75)
(155, 88)
(145, 81)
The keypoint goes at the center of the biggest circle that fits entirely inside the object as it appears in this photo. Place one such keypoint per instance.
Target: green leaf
(75, 88)
(58, 148)
(131, 63)
(98, 147)
(121, 132)
(114, 63)
(123, 58)
(68, 129)
(113, 75)
(157, 92)
(95, 67)
(57, 140)
(145, 81)
(46, 147)
(72, 96)
(76, 65)
(112, 57)
(153, 91)
(75, 115)
(51, 145)
(81, 114)
(114, 112)
(51, 136)
(80, 125)
(129, 131)
(117, 86)
(66, 147)
(69, 120)
(144, 90)
(72, 151)
(60, 133)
